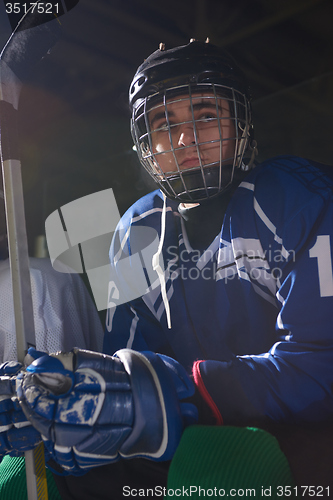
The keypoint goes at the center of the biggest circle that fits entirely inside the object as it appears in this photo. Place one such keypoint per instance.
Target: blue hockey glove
(17, 435)
(93, 409)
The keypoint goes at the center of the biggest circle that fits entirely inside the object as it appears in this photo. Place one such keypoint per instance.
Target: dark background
(73, 116)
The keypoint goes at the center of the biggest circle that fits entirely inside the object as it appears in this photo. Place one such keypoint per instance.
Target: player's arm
(292, 382)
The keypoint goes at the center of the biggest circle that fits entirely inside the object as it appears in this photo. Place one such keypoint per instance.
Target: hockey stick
(25, 47)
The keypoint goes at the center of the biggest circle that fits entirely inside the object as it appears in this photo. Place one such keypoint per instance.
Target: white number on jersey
(322, 252)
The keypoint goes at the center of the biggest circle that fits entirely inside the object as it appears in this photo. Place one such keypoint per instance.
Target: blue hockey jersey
(256, 305)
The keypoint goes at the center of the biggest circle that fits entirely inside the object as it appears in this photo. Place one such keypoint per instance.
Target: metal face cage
(216, 121)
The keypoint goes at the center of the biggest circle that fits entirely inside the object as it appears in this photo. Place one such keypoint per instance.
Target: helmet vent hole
(141, 81)
(138, 84)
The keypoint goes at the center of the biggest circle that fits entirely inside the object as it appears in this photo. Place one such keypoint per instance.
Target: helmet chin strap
(245, 144)
(254, 152)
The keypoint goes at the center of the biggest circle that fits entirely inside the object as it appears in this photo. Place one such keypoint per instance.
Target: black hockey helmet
(187, 71)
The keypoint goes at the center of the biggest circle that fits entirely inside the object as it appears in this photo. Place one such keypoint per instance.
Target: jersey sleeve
(293, 380)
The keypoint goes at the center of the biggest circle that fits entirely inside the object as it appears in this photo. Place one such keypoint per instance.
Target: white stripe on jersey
(266, 220)
(133, 220)
(271, 227)
(149, 212)
(268, 223)
(247, 185)
(134, 323)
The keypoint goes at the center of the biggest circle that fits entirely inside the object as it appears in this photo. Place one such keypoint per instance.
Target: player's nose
(186, 135)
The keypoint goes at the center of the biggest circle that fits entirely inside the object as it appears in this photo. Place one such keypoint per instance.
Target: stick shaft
(23, 306)
(18, 255)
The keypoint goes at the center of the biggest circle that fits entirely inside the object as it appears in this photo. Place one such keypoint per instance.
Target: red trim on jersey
(204, 393)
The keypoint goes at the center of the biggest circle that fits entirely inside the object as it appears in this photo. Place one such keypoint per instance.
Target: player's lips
(191, 161)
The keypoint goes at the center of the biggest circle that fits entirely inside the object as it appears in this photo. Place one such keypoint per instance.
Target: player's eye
(160, 126)
(207, 117)
(163, 127)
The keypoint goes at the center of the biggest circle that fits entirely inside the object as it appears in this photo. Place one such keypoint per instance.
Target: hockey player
(239, 290)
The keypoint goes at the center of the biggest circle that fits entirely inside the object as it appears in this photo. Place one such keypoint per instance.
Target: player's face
(192, 133)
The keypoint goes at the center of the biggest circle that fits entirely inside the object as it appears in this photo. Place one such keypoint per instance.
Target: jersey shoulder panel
(282, 202)
(147, 211)
(140, 226)
(148, 204)
(292, 174)
(283, 186)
